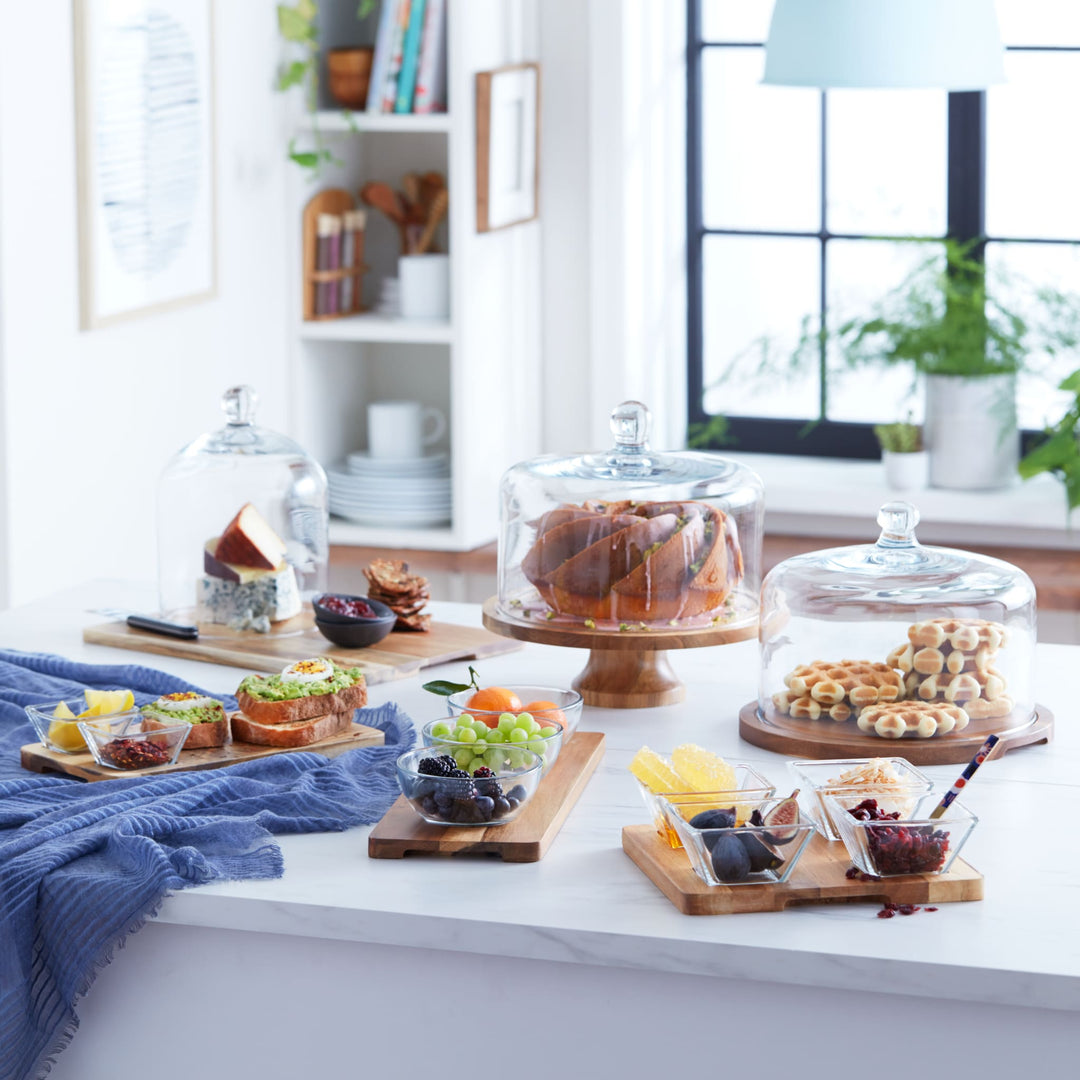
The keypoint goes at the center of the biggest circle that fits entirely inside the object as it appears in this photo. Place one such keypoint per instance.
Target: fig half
(779, 821)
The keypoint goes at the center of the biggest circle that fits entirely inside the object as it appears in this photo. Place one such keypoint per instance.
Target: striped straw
(965, 776)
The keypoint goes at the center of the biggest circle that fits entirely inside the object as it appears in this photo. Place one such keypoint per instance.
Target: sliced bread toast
(304, 708)
(208, 733)
(291, 734)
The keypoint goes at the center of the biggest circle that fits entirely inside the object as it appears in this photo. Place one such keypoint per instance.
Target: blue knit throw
(83, 865)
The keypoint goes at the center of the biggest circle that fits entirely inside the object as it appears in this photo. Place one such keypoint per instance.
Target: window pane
(1039, 22)
(758, 287)
(887, 161)
(1032, 154)
(735, 20)
(860, 273)
(1016, 271)
(761, 147)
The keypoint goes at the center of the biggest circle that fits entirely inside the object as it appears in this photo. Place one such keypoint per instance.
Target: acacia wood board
(525, 839)
(39, 759)
(818, 878)
(395, 657)
(828, 739)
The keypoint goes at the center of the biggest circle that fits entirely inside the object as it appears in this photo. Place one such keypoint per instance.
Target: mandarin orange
(496, 699)
(545, 710)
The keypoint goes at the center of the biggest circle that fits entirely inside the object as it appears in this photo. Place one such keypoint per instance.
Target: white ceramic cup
(396, 428)
(425, 286)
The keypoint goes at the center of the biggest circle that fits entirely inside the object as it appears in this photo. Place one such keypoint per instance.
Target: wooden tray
(395, 657)
(818, 878)
(37, 758)
(831, 740)
(525, 839)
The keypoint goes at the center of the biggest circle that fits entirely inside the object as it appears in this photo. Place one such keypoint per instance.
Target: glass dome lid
(630, 538)
(242, 525)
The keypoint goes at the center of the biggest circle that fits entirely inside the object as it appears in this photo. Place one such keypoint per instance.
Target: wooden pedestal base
(628, 680)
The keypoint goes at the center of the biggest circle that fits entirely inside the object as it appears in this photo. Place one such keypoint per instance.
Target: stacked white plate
(413, 492)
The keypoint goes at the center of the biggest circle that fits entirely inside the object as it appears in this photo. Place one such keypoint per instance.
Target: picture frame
(144, 109)
(507, 146)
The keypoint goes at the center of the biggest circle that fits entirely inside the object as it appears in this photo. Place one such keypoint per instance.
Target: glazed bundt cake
(629, 561)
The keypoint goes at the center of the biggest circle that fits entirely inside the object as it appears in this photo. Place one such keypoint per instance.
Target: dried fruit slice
(655, 773)
(704, 771)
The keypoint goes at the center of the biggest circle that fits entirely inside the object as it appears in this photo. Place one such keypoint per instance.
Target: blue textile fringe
(84, 865)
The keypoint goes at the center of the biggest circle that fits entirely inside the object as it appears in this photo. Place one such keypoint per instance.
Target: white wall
(90, 418)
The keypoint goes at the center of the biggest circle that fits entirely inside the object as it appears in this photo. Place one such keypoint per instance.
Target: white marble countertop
(587, 902)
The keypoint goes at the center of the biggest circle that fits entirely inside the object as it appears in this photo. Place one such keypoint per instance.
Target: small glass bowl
(121, 743)
(814, 778)
(65, 736)
(752, 789)
(757, 842)
(886, 848)
(452, 801)
(568, 703)
(545, 747)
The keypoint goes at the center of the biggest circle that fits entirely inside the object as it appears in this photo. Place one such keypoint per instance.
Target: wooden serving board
(818, 878)
(525, 839)
(395, 657)
(37, 758)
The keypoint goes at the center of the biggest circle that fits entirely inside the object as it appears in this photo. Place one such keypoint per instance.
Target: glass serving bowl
(743, 854)
(472, 754)
(451, 801)
(122, 743)
(913, 844)
(821, 778)
(751, 789)
(65, 736)
(568, 705)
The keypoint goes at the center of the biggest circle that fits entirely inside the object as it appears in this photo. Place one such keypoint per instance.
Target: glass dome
(630, 539)
(263, 491)
(895, 640)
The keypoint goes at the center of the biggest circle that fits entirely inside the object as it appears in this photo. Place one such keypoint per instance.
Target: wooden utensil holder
(331, 201)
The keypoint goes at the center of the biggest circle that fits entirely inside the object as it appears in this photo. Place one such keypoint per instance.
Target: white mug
(425, 286)
(396, 428)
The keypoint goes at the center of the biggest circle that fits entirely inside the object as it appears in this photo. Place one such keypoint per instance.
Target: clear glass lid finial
(897, 520)
(238, 404)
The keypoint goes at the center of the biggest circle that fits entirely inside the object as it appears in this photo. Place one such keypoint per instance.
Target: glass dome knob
(630, 424)
(897, 521)
(238, 404)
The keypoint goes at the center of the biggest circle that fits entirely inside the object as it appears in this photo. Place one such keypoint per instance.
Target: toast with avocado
(206, 715)
(302, 691)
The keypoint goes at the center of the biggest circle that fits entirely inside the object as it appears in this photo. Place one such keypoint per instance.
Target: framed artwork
(507, 146)
(144, 103)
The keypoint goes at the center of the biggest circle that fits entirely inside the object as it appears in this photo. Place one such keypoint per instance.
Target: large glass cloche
(242, 525)
(894, 640)
(631, 539)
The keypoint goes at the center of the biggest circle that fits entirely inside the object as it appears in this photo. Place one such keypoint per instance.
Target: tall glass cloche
(896, 641)
(629, 538)
(242, 524)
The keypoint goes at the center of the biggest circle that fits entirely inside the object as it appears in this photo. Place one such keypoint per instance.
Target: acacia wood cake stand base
(626, 670)
(821, 739)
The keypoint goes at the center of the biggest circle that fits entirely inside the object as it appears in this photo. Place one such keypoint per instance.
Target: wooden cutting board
(818, 878)
(525, 839)
(395, 657)
(37, 758)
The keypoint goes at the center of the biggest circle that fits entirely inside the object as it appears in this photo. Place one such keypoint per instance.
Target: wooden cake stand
(626, 669)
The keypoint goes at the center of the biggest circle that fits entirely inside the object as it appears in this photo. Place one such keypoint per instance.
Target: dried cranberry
(357, 609)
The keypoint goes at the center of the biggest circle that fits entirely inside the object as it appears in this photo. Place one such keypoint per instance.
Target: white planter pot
(970, 431)
(906, 472)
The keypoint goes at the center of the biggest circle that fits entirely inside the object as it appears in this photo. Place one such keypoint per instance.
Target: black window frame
(965, 222)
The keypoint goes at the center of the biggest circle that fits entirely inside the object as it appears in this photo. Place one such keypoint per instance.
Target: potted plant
(1059, 450)
(903, 455)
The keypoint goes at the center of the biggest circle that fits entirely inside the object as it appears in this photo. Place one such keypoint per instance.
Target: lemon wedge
(66, 735)
(62, 712)
(106, 702)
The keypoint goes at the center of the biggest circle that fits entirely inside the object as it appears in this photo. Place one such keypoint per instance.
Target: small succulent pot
(349, 73)
(906, 472)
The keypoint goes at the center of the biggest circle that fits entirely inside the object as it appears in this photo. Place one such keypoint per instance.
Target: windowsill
(833, 497)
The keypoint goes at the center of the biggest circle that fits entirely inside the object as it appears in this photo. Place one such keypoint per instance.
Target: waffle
(964, 635)
(961, 688)
(929, 660)
(806, 708)
(923, 719)
(856, 682)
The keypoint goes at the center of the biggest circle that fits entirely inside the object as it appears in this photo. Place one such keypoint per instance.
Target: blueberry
(502, 806)
(517, 792)
(485, 807)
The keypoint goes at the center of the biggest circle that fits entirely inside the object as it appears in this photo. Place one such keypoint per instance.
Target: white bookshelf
(481, 367)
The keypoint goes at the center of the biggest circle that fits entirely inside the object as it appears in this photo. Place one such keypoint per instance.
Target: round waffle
(923, 719)
(964, 635)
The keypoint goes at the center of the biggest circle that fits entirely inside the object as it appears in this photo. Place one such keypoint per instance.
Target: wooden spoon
(383, 197)
(435, 215)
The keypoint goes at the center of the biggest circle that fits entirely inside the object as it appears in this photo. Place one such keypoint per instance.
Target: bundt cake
(628, 561)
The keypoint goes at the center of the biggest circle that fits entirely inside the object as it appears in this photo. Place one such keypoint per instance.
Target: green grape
(495, 736)
(479, 746)
(537, 747)
(518, 735)
(441, 729)
(534, 726)
(524, 721)
(463, 758)
(494, 756)
(480, 728)
(548, 731)
(516, 758)
(465, 735)
(506, 721)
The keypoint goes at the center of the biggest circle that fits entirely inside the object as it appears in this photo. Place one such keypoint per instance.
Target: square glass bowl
(743, 854)
(568, 705)
(817, 780)
(120, 742)
(913, 844)
(443, 800)
(751, 789)
(64, 736)
(470, 755)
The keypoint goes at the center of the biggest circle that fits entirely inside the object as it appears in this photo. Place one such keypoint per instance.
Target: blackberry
(486, 784)
(444, 765)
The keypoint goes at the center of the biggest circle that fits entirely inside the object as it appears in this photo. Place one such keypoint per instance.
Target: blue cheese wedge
(272, 597)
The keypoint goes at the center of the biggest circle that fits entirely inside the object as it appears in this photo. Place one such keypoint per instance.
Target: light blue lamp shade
(942, 44)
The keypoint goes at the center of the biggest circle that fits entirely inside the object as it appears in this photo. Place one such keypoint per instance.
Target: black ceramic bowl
(358, 633)
(325, 615)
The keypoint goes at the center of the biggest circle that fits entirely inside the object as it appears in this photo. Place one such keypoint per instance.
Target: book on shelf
(430, 94)
(397, 50)
(381, 60)
(410, 58)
